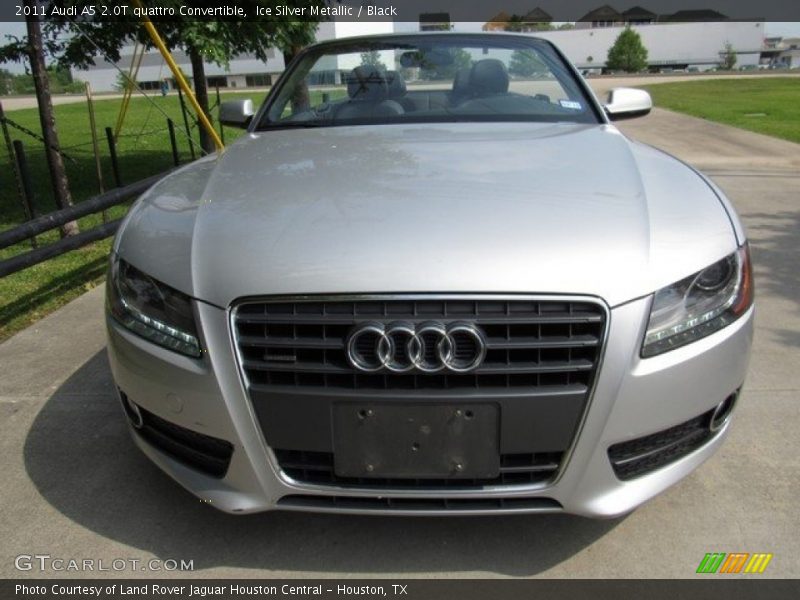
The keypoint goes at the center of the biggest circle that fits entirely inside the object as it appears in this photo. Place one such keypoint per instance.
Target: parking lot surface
(74, 485)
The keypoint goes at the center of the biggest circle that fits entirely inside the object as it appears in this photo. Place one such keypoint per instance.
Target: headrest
(461, 82)
(489, 76)
(367, 82)
(396, 83)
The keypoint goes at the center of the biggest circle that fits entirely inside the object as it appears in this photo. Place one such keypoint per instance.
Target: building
(669, 45)
(331, 69)
(608, 16)
(701, 15)
(243, 71)
(637, 15)
(435, 22)
(499, 22)
(533, 20)
(604, 16)
(783, 53)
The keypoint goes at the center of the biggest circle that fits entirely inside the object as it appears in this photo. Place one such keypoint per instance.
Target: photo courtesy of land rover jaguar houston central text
(431, 278)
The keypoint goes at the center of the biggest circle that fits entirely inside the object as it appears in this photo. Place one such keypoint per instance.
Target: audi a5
(432, 277)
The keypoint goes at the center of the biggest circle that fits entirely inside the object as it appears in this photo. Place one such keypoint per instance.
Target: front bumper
(632, 398)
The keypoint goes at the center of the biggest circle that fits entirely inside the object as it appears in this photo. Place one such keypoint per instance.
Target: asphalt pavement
(74, 486)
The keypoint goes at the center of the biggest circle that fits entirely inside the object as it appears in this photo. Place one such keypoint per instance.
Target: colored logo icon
(734, 562)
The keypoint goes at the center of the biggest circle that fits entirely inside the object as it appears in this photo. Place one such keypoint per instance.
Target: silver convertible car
(431, 278)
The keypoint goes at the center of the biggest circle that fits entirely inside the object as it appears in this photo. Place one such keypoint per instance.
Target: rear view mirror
(427, 58)
(410, 59)
(438, 58)
(626, 103)
(236, 113)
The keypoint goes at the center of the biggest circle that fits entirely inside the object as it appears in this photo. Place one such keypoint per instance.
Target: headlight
(151, 309)
(700, 304)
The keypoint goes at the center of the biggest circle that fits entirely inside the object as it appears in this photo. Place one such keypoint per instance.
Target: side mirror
(236, 113)
(626, 103)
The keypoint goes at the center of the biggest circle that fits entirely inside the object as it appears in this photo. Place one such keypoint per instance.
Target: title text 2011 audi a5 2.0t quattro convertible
(431, 278)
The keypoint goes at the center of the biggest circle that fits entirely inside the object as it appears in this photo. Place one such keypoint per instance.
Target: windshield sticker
(571, 104)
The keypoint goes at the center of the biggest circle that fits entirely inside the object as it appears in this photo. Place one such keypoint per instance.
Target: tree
(628, 53)
(460, 59)
(435, 25)
(123, 83)
(728, 57)
(525, 63)
(519, 24)
(514, 23)
(61, 81)
(373, 58)
(6, 82)
(77, 43)
(220, 41)
(55, 162)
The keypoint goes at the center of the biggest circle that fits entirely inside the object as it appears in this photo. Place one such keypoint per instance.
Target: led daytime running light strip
(170, 336)
(693, 321)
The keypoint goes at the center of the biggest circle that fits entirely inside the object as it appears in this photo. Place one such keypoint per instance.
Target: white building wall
(103, 76)
(101, 81)
(696, 44)
(237, 81)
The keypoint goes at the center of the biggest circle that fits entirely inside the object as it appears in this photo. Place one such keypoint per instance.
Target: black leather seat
(488, 76)
(397, 90)
(488, 89)
(461, 88)
(368, 90)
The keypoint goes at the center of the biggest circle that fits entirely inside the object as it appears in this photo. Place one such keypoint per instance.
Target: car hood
(463, 207)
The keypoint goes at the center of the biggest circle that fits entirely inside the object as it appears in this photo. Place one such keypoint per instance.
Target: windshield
(428, 79)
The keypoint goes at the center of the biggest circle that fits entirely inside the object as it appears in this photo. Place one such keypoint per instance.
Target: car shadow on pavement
(775, 243)
(79, 455)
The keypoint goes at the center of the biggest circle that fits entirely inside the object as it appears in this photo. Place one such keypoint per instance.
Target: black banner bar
(714, 587)
(414, 11)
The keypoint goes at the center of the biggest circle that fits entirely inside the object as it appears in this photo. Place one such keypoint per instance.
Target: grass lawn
(769, 105)
(143, 149)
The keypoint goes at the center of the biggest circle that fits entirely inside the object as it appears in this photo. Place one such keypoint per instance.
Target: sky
(783, 29)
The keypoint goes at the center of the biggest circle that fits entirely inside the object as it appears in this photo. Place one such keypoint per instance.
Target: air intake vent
(204, 453)
(419, 505)
(645, 454)
(515, 469)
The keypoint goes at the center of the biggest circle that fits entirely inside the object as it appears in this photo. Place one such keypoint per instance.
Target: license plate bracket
(423, 441)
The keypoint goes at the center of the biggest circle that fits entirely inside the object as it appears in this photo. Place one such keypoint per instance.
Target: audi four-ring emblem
(429, 347)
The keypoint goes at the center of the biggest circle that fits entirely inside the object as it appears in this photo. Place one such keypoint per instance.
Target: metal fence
(39, 225)
(35, 224)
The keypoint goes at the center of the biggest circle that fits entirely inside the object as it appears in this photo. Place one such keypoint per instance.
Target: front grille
(515, 469)
(529, 343)
(642, 455)
(444, 505)
(204, 453)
